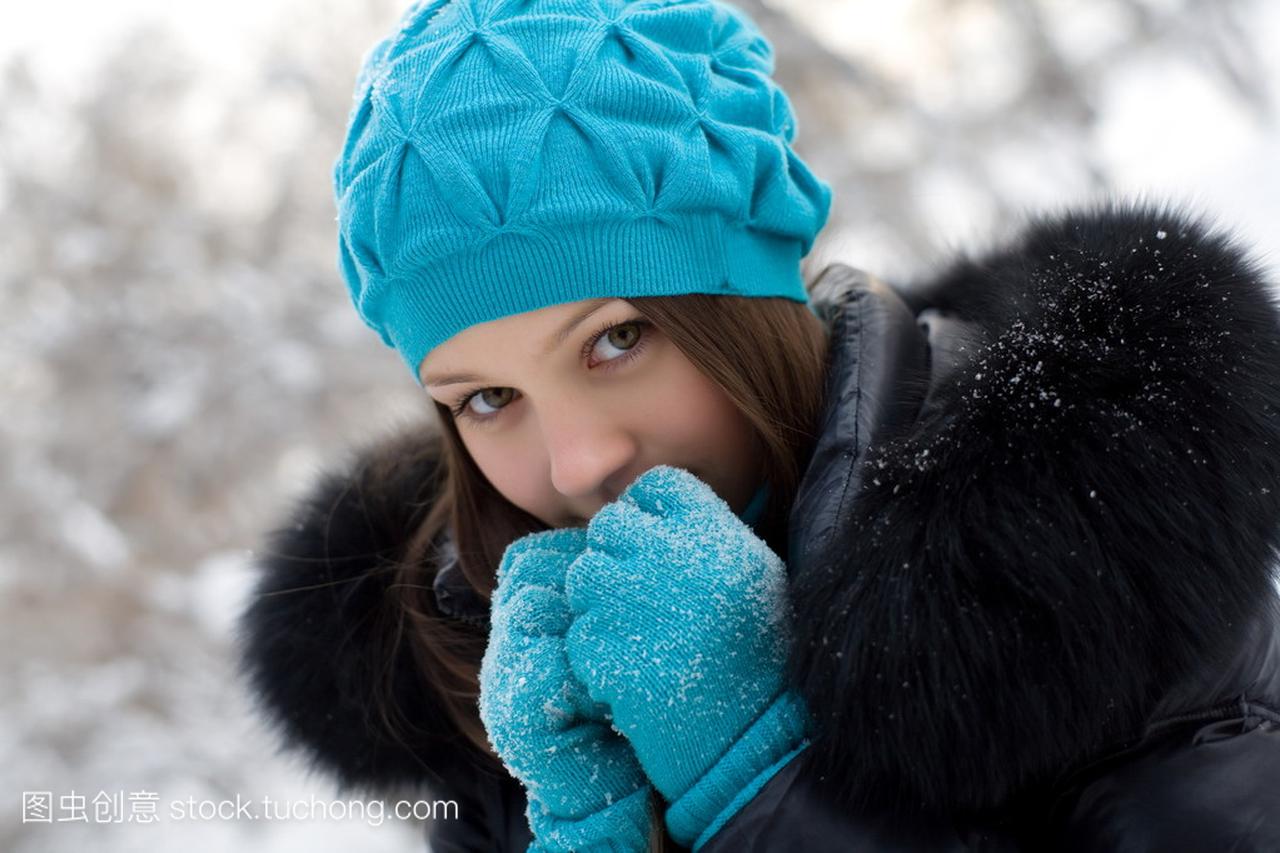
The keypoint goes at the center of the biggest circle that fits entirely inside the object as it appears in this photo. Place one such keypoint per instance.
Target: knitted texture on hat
(506, 155)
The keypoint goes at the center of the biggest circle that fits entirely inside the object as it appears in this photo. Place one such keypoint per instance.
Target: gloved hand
(586, 791)
(681, 625)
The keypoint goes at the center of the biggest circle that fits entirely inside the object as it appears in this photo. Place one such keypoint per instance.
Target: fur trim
(1085, 512)
(310, 645)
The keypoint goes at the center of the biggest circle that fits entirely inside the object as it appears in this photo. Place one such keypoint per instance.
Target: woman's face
(562, 425)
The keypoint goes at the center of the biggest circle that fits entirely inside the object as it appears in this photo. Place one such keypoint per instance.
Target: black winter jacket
(1031, 558)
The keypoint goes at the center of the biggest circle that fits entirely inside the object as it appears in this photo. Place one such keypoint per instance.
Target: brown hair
(768, 355)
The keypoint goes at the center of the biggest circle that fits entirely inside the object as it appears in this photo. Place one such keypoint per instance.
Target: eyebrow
(552, 344)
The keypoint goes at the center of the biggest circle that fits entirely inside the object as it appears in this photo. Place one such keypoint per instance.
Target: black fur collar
(308, 647)
(1083, 517)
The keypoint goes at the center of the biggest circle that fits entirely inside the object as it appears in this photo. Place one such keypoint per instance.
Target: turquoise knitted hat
(507, 155)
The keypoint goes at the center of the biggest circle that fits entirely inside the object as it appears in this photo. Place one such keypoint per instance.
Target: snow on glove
(681, 625)
(586, 790)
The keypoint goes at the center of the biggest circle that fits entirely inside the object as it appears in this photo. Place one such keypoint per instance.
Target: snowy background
(178, 356)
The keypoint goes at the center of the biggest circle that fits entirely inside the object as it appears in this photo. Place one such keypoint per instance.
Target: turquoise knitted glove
(586, 790)
(681, 625)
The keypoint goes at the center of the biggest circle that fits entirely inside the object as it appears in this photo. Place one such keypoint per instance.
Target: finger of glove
(526, 683)
(604, 666)
(584, 772)
(609, 563)
(669, 562)
(531, 707)
(532, 611)
(538, 558)
(630, 658)
(571, 705)
(515, 671)
(527, 701)
(670, 492)
(589, 580)
(578, 702)
(622, 825)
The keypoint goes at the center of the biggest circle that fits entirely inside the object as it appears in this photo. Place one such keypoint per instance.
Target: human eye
(462, 409)
(629, 342)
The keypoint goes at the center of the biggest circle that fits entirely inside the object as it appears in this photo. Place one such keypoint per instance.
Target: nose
(590, 452)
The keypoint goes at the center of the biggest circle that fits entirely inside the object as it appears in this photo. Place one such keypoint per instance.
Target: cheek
(513, 474)
(695, 420)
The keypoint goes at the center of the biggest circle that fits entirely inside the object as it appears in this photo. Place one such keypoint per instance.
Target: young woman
(698, 556)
